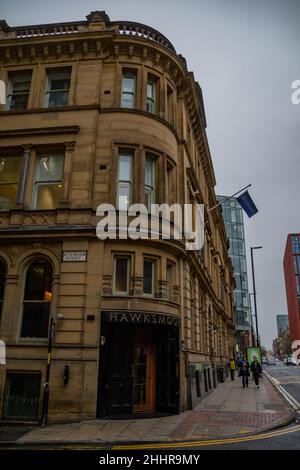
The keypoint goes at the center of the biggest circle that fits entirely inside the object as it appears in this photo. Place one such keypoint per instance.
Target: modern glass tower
(234, 224)
(282, 323)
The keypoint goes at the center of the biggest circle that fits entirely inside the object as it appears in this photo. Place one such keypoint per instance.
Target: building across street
(100, 111)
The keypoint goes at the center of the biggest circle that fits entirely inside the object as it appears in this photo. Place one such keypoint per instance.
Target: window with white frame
(48, 181)
(151, 94)
(10, 170)
(128, 89)
(149, 276)
(18, 90)
(121, 274)
(124, 181)
(149, 181)
(58, 87)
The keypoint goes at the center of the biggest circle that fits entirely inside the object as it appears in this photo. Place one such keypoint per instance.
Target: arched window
(2, 283)
(37, 300)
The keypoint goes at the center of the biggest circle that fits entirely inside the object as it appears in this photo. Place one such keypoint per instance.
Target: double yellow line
(212, 442)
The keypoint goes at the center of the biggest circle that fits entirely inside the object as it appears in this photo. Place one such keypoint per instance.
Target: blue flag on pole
(247, 204)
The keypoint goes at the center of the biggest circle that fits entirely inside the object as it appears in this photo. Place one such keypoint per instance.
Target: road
(287, 378)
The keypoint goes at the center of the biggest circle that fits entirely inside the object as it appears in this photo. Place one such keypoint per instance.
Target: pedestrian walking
(232, 367)
(244, 371)
(256, 370)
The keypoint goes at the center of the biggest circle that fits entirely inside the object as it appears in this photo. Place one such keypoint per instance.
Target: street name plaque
(74, 256)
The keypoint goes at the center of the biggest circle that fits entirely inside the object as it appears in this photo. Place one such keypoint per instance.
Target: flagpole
(228, 198)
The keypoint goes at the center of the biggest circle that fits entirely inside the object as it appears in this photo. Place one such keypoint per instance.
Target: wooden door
(144, 377)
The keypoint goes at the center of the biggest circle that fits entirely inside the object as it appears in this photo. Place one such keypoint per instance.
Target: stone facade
(91, 127)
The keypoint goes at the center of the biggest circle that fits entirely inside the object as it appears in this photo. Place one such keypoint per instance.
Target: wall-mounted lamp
(102, 340)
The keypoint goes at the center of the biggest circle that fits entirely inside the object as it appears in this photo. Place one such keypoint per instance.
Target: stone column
(65, 193)
(138, 179)
(11, 310)
(161, 288)
(162, 90)
(160, 179)
(24, 174)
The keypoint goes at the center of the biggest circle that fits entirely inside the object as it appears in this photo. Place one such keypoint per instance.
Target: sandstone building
(104, 111)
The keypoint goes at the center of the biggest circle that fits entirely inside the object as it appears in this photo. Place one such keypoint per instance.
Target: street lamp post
(51, 335)
(254, 292)
(46, 385)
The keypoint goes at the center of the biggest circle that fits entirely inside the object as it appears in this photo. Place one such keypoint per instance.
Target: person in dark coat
(244, 371)
(256, 370)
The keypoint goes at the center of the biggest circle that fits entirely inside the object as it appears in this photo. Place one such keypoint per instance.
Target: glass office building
(234, 224)
(282, 323)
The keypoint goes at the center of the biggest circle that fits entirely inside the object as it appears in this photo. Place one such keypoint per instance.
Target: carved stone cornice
(39, 131)
(69, 146)
(27, 148)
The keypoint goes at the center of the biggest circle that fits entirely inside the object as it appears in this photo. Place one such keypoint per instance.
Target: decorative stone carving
(98, 17)
(39, 219)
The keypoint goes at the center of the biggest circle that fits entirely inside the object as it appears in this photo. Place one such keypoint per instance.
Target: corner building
(102, 111)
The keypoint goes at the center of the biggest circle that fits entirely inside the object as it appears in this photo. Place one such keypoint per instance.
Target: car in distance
(289, 360)
(264, 360)
(271, 361)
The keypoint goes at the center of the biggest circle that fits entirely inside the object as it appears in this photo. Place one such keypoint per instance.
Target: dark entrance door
(168, 370)
(116, 359)
(139, 369)
(22, 392)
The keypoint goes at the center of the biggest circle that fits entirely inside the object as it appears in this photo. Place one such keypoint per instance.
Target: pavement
(227, 411)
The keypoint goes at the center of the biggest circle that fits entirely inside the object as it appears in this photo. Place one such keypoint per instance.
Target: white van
(271, 361)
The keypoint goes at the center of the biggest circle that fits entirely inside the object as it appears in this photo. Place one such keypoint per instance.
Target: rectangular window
(170, 183)
(222, 285)
(21, 397)
(151, 95)
(295, 265)
(170, 99)
(121, 275)
(295, 244)
(48, 181)
(298, 284)
(58, 87)
(10, 168)
(149, 182)
(128, 89)
(233, 216)
(18, 90)
(124, 181)
(170, 280)
(189, 138)
(149, 276)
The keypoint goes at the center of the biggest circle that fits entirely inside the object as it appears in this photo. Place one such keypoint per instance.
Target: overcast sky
(245, 55)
